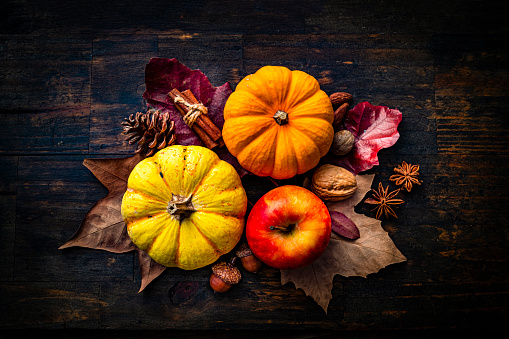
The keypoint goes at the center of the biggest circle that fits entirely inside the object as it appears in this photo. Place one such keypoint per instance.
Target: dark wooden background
(71, 71)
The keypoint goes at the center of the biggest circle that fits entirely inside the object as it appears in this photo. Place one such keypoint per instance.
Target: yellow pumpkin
(184, 207)
(278, 122)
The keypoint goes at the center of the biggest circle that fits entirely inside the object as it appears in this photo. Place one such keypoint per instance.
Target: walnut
(343, 142)
(333, 183)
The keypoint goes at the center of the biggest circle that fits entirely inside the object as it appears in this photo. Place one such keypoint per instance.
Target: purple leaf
(162, 75)
(343, 226)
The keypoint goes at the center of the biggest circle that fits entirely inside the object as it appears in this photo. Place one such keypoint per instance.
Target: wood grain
(70, 72)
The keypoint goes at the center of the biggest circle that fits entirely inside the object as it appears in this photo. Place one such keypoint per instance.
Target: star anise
(407, 176)
(384, 200)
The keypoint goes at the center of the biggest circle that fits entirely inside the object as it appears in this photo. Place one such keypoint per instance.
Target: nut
(224, 275)
(343, 142)
(339, 114)
(249, 261)
(340, 98)
(333, 183)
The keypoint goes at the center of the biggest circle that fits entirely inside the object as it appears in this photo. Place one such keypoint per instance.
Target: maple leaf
(103, 227)
(372, 251)
(162, 75)
(374, 128)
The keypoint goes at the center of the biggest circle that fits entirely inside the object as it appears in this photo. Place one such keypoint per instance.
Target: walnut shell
(333, 183)
(343, 142)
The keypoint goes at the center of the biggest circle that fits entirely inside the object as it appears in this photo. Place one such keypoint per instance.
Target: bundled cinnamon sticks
(195, 115)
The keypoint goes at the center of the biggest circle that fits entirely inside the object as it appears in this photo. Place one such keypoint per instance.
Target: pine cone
(152, 130)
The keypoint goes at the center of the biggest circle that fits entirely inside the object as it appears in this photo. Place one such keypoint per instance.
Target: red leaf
(162, 75)
(374, 128)
(344, 226)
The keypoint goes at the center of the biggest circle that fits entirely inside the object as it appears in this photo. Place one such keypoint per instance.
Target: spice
(406, 176)
(195, 115)
(384, 200)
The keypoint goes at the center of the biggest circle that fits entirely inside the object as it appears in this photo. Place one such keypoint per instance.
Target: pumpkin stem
(180, 206)
(281, 117)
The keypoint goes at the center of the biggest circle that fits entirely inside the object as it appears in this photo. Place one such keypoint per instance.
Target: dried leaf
(374, 128)
(343, 226)
(149, 269)
(347, 257)
(103, 227)
(162, 75)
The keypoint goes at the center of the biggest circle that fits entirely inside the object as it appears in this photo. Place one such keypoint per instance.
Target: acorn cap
(244, 251)
(227, 272)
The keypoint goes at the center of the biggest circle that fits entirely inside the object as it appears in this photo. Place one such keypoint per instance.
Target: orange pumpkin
(278, 122)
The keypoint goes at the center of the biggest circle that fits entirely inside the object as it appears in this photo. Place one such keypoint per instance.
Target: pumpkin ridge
(283, 142)
(207, 239)
(304, 129)
(151, 197)
(162, 176)
(153, 239)
(261, 131)
(176, 260)
(198, 186)
(254, 97)
(236, 216)
(309, 141)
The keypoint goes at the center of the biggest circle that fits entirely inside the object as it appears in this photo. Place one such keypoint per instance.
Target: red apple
(288, 228)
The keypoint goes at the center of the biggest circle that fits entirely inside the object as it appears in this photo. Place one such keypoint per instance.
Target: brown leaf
(103, 227)
(149, 269)
(347, 257)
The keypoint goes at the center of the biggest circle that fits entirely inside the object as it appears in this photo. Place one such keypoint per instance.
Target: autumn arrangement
(179, 201)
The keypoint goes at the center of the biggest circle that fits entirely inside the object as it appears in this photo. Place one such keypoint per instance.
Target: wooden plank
(373, 17)
(8, 189)
(8, 229)
(9, 174)
(33, 81)
(219, 57)
(48, 131)
(175, 302)
(396, 72)
(51, 305)
(426, 305)
(54, 195)
(118, 84)
(468, 77)
(44, 104)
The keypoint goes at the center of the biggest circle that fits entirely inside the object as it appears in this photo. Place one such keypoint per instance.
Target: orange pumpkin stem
(281, 117)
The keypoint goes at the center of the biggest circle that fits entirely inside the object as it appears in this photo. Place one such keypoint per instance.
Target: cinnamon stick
(208, 132)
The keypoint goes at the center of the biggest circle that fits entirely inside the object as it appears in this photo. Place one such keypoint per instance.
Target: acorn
(247, 258)
(224, 275)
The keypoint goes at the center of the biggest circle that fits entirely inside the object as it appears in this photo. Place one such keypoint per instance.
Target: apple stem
(283, 228)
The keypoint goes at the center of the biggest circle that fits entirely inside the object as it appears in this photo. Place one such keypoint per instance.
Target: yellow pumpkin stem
(180, 206)
(281, 117)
